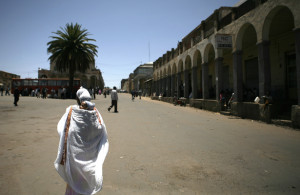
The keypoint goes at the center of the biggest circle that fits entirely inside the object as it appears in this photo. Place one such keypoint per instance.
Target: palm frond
(70, 49)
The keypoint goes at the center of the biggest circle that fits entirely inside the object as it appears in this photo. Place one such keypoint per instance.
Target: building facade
(6, 79)
(140, 75)
(91, 78)
(250, 50)
(136, 80)
(125, 85)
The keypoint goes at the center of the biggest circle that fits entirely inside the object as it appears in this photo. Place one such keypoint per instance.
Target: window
(59, 83)
(65, 83)
(43, 83)
(76, 83)
(52, 83)
(35, 82)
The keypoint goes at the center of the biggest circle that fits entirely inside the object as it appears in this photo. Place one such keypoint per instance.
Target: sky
(128, 33)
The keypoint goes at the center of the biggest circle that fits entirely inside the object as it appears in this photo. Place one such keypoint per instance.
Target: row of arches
(263, 60)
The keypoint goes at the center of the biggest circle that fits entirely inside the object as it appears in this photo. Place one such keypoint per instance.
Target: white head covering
(84, 96)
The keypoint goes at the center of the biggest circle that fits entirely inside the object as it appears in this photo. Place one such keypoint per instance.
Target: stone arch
(174, 80)
(209, 59)
(180, 79)
(180, 66)
(169, 72)
(278, 31)
(165, 72)
(160, 85)
(174, 69)
(287, 19)
(188, 76)
(168, 81)
(164, 81)
(246, 41)
(240, 35)
(187, 62)
(197, 62)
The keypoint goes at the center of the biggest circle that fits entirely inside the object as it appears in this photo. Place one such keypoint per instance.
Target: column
(205, 92)
(238, 76)
(169, 86)
(219, 76)
(165, 85)
(155, 87)
(194, 83)
(153, 90)
(172, 85)
(159, 86)
(178, 85)
(264, 69)
(297, 45)
(186, 83)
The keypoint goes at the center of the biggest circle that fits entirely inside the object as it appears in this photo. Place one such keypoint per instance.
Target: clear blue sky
(123, 30)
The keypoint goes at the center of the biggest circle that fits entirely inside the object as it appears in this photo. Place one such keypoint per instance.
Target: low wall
(211, 105)
(163, 99)
(252, 111)
(295, 115)
(243, 109)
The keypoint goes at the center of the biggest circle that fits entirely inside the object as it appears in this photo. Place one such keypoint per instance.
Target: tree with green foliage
(71, 51)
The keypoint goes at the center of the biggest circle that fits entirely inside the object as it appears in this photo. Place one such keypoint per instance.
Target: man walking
(114, 99)
(16, 96)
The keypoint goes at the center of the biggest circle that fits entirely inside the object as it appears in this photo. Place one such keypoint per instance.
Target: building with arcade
(249, 50)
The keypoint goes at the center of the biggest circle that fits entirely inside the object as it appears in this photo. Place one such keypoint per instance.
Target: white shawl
(87, 147)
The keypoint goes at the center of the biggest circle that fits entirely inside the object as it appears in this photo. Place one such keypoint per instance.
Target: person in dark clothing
(16, 95)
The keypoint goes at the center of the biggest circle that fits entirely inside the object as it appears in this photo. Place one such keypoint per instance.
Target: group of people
(226, 98)
(135, 94)
(6, 90)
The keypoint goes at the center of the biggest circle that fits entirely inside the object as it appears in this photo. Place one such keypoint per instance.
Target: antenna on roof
(149, 50)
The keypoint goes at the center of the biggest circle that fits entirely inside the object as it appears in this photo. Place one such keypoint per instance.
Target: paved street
(155, 148)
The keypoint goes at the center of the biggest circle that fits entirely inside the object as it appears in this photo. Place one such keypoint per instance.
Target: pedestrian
(1, 89)
(230, 101)
(267, 99)
(44, 92)
(16, 96)
(37, 92)
(63, 93)
(83, 146)
(132, 95)
(114, 99)
(94, 93)
(7, 91)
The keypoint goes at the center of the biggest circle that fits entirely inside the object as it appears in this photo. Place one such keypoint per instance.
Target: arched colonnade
(265, 57)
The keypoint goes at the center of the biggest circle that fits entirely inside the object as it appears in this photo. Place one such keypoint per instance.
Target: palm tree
(71, 51)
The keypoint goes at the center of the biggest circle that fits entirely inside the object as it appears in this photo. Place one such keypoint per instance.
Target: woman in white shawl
(83, 146)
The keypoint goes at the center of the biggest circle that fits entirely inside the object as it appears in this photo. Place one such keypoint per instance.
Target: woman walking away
(83, 146)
